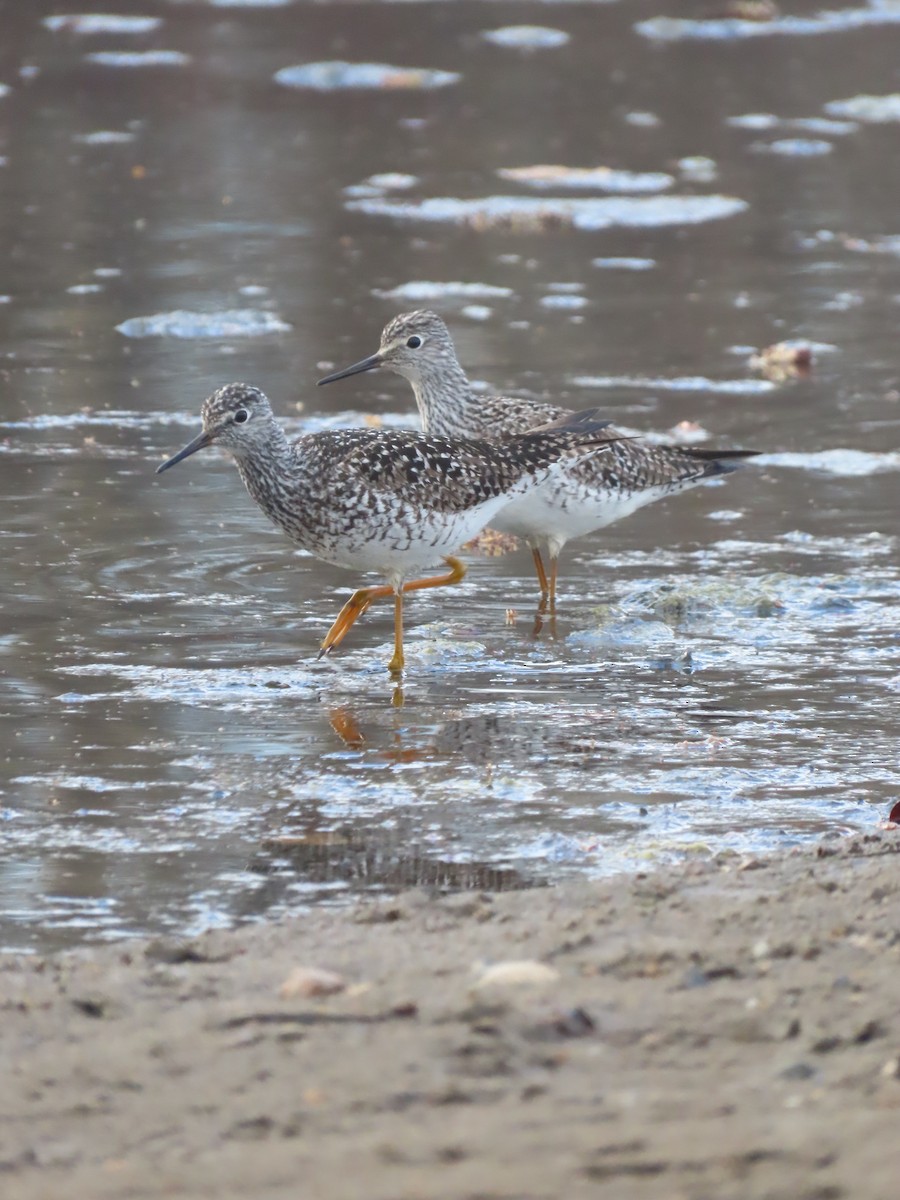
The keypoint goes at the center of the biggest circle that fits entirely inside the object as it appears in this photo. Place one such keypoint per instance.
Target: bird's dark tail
(582, 420)
(719, 462)
(590, 421)
(589, 428)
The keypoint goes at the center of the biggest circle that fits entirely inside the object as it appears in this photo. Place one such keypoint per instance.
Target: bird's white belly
(403, 543)
(557, 513)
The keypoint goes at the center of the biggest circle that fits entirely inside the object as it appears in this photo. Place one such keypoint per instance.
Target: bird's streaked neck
(266, 462)
(268, 443)
(447, 404)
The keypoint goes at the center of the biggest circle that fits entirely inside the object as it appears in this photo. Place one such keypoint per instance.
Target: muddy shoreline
(722, 1029)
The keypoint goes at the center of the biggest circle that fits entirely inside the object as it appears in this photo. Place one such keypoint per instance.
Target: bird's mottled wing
(443, 474)
(432, 473)
(506, 416)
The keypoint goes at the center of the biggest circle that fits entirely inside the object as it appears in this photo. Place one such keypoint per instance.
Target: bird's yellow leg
(554, 564)
(360, 601)
(454, 575)
(541, 574)
(351, 612)
(395, 666)
(547, 606)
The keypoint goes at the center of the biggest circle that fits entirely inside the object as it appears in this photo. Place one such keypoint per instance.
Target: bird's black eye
(414, 342)
(241, 416)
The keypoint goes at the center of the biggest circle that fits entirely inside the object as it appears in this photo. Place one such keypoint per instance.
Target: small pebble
(311, 981)
(515, 973)
(800, 1070)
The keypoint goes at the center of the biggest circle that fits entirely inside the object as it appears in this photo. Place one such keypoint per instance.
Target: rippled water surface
(618, 215)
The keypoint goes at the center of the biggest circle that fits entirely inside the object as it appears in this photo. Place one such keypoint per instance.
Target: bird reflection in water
(364, 853)
(366, 856)
(474, 737)
(481, 739)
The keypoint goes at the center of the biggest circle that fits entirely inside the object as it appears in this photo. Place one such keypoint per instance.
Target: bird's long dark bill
(365, 364)
(199, 443)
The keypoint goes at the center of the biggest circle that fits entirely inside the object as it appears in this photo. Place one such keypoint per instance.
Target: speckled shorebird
(586, 495)
(395, 502)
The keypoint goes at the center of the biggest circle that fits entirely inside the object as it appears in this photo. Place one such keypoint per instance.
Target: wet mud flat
(725, 1028)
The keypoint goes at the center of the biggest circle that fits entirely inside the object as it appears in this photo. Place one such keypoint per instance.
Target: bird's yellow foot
(358, 603)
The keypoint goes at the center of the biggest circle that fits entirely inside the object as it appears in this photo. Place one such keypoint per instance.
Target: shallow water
(724, 671)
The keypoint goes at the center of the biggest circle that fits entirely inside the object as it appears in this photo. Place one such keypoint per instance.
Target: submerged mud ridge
(722, 1029)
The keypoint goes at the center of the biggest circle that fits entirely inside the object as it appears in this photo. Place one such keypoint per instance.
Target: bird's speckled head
(232, 414)
(237, 417)
(413, 340)
(414, 344)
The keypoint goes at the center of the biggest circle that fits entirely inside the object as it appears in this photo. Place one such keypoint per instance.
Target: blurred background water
(613, 206)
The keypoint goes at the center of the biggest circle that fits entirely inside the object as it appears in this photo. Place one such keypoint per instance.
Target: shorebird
(584, 496)
(392, 501)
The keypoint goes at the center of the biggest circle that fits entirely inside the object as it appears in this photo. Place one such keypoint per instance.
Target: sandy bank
(727, 1029)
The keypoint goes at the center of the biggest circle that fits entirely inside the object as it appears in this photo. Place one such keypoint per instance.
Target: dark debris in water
(751, 10)
(783, 360)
